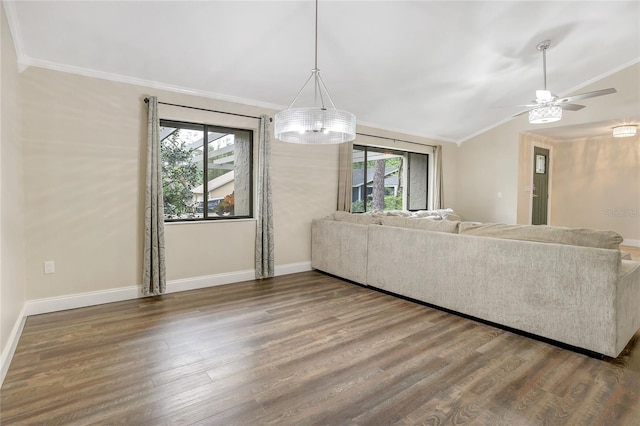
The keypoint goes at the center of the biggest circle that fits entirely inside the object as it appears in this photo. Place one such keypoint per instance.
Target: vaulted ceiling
(441, 69)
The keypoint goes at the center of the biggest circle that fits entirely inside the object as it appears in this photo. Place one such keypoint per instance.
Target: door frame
(543, 145)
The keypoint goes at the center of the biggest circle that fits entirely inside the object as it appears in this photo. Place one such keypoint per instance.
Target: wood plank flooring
(633, 251)
(302, 349)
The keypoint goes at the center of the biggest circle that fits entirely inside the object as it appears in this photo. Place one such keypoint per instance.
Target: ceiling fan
(547, 107)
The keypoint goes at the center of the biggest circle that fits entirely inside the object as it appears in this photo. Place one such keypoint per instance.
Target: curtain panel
(154, 280)
(264, 233)
(345, 176)
(438, 188)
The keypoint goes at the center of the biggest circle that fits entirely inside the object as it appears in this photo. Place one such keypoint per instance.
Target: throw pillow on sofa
(445, 214)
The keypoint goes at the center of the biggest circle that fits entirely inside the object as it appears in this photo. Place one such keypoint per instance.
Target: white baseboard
(292, 268)
(230, 278)
(81, 300)
(12, 344)
(194, 283)
(630, 242)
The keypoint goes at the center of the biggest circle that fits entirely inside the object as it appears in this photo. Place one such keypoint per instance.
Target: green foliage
(179, 176)
(357, 206)
(392, 202)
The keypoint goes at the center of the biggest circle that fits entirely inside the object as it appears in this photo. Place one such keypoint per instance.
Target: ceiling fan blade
(571, 107)
(587, 95)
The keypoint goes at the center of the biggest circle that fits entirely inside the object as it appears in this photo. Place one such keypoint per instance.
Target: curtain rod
(146, 101)
(396, 140)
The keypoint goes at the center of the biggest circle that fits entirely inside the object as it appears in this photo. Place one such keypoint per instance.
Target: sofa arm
(627, 299)
(340, 248)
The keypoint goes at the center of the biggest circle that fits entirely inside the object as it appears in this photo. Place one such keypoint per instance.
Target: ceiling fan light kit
(545, 114)
(547, 107)
(624, 131)
(317, 124)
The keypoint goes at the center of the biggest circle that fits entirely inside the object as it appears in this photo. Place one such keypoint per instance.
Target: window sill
(198, 222)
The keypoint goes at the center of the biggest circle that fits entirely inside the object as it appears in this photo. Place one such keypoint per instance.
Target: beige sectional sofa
(567, 285)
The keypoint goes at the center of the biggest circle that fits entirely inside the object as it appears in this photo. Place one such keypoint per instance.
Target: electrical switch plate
(49, 267)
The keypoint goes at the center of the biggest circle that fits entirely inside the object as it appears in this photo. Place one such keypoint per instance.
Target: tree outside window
(206, 171)
(383, 184)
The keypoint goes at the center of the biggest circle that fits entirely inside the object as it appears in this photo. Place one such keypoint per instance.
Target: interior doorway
(540, 188)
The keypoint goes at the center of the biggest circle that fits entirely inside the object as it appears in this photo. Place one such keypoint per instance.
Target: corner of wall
(12, 248)
(12, 343)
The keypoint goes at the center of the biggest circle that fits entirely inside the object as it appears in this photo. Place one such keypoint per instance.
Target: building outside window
(206, 171)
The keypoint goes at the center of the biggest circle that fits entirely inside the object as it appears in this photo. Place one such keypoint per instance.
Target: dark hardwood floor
(302, 349)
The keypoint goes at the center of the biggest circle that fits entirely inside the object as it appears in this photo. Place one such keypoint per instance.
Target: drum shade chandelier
(317, 124)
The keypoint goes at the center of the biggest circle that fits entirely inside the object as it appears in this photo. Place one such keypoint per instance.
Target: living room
(73, 161)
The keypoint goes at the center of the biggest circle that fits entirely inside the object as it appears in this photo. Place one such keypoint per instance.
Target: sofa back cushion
(419, 223)
(360, 219)
(545, 234)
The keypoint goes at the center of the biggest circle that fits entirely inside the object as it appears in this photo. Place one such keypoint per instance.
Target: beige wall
(596, 184)
(488, 164)
(488, 167)
(12, 249)
(83, 140)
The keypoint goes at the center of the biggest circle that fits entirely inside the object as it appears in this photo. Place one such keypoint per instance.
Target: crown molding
(87, 72)
(406, 132)
(600, 77)
(16, 33)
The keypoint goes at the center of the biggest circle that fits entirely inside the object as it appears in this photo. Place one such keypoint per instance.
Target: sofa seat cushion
(421, 223)
(545, 234)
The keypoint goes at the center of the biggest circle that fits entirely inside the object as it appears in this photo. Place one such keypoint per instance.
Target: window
(206, 171)
(391, 180)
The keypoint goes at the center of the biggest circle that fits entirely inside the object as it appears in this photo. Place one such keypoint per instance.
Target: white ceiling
(447, 70)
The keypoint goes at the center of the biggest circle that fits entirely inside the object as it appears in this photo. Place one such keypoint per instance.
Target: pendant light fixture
(318, 124)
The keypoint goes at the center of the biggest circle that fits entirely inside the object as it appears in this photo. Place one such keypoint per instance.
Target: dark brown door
(540, 186)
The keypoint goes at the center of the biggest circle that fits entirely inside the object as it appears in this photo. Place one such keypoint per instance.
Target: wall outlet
(499, 194)
(49, 267)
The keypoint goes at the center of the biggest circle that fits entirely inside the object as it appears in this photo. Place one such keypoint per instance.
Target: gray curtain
(438, 191)
(264, 234)
(154, 280)
(345, 176)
